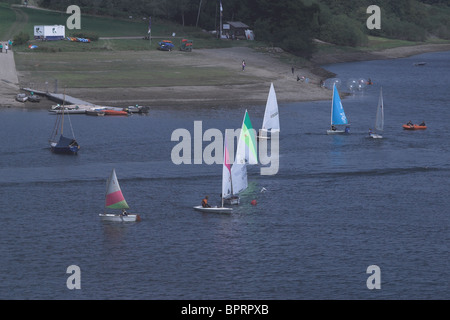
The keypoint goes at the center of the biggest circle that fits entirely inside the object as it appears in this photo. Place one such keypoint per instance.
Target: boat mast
(332, 104)
(64, 101)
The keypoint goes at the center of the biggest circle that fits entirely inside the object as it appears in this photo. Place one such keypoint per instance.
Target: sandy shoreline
(264, 67)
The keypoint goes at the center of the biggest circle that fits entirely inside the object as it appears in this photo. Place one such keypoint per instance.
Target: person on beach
(6, 48)
(243, 65)
(1, 48)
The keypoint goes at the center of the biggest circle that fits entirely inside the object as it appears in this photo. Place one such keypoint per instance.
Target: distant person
(1, 48)
(292, 69)
(243, 65)
(423, 124)
(205, 203)
(410, 123)
(6, 48)
(124, 212)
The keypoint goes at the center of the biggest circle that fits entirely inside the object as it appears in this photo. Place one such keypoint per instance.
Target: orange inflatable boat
(413, 127)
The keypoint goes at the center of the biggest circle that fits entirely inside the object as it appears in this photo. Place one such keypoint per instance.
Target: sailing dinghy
(115, 200)
(271, 121)
(226, 184)
(338, 117)
(379, 120)
(245, 154)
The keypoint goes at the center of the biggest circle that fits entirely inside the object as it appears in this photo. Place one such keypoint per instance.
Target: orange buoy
(253, 202)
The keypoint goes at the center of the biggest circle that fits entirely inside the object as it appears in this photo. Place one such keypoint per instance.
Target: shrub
(21, 38)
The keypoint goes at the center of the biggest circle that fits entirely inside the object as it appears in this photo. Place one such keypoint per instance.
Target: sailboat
(338, 117)
(245, 155)
(379, 120)
(115, 200)
(271, 121)
(63, 144)
(226, 184)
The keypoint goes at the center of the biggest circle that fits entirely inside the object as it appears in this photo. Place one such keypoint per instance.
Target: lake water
(337, 205)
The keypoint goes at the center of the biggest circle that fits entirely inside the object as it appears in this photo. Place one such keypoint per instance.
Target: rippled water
(337, 205)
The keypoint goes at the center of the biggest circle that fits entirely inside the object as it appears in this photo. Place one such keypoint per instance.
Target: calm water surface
(337, 205)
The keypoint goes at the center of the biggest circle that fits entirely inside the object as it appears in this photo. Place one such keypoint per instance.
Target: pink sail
(114, 196)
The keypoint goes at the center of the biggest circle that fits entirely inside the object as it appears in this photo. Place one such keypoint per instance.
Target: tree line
(289, 24)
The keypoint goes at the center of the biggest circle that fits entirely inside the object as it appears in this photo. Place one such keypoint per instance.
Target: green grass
(7, 19)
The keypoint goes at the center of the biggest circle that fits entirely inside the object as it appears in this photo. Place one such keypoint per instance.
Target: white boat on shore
(71, 108)
(21, 97)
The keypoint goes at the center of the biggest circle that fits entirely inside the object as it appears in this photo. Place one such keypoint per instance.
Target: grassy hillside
(14, 20)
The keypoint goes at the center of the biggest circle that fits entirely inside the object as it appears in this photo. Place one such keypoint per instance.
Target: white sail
(226, 172)
(271, 119)
(245, 154)
(379, 120)
(239, 177)
(247, 147)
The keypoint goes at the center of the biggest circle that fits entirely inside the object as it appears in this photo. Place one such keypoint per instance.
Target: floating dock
(60, 98)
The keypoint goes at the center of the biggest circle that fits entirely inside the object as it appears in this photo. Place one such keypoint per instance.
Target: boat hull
(21, 97)
(232, 201)
(376, 136)
(336, 132)
(414, 127)
(115, 113)
(214, 209)
(64, 150)
(119, 217)
(97, 113)
(266, 134)
(71, 111)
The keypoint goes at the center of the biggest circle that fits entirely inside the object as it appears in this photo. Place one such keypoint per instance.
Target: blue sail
(337, 113)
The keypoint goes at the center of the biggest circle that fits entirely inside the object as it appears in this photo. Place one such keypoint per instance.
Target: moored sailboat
(115, 200)
(63, 144)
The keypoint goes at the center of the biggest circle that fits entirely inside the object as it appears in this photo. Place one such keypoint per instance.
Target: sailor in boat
(409, 123)
(422, 124)
(370, 132)
(205, 203)
(124, 212)
(347, 129)
(333, 127)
